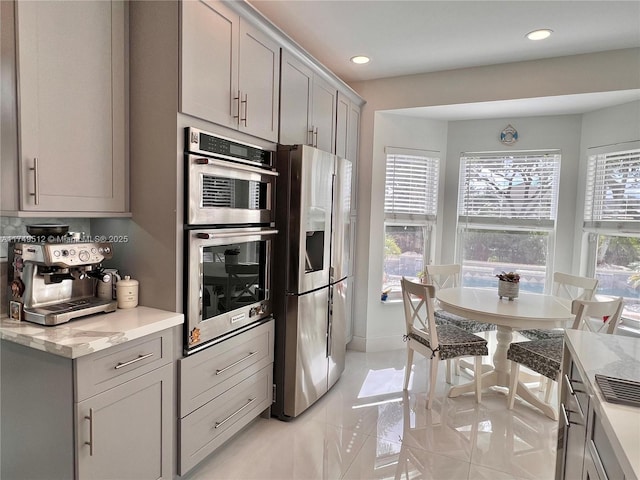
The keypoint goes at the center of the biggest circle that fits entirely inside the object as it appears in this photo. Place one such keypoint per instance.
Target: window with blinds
(613, 188)
(411, 187)
(410, 209)
(510, 189)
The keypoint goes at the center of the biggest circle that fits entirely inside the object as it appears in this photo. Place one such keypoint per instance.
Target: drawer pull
(249, 402)
(569, 384)
(565, 412)
(126, 364)
(222, 370)
(90, 442)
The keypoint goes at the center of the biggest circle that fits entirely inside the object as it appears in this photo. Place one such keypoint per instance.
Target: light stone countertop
(85, 335)
(614, 356)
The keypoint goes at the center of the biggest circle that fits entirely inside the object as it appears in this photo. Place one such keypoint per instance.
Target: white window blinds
(509, 188)
(613, 188)
(411, 186)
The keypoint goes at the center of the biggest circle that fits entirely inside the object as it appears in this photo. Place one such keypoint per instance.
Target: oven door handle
(235, 233)
(236, 166)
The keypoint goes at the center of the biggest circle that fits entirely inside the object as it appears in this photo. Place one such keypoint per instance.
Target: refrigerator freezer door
(306, 378)
(310, 180)
(340, 222)
(339, 312)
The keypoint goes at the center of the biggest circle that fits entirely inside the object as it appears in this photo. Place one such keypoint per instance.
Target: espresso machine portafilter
(52, 283)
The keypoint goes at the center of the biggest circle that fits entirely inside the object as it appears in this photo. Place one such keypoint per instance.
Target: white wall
(599, 72)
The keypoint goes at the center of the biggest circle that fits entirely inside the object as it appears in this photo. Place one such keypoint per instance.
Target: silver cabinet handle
(246, 109)
(315, 134)
(125, 364)
(36, 182)
(565, 413)
(238, 110)
(222, 370)
(569, 384)
(249, 402)
(310, 137)
(90, 442)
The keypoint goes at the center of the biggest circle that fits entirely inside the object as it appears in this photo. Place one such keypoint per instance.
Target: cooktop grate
(617, 390)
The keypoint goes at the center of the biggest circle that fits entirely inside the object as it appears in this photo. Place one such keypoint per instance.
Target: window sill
(394, 301)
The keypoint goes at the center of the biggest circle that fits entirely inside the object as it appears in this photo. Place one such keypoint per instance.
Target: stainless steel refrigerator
(312, 274)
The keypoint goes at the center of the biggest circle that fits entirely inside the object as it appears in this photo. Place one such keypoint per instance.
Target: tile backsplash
(16, 227)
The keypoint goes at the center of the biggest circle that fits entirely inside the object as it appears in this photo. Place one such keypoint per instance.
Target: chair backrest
(417, 299)
(595, 316)
(443, 276)
(573, 287)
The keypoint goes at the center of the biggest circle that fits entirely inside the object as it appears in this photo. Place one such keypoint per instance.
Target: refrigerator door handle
(330, 324)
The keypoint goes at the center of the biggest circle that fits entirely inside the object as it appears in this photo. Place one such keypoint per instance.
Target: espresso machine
(52, 283)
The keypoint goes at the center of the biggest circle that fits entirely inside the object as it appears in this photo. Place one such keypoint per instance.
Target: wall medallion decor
(509, 135)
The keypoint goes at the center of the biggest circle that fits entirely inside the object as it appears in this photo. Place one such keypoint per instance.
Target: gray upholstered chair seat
(542, 334)
(470, 326)
(542, 356)
(455, 342)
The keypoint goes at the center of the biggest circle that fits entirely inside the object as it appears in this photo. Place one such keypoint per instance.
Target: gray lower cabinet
(585, 450)
(222, 389)
(104, 415)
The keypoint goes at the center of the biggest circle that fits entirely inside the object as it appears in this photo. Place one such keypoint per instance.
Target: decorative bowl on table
(508, 285)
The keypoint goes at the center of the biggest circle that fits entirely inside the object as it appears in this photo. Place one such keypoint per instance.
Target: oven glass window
(233, 276)
(233, 193)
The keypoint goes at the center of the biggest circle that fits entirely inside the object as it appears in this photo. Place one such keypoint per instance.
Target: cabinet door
(126, 432)
(353, 141)
(71, 68)
(295, 101)
(342, 126)
(259, 78)
(324, 115)
(209, 70)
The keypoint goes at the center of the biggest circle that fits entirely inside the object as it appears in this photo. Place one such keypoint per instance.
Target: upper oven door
(229, 193)
(228, 281)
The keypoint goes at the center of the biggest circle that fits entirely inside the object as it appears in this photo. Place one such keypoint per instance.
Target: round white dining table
(527, 311)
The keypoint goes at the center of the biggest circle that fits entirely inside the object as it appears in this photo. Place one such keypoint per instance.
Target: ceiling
(420, 36)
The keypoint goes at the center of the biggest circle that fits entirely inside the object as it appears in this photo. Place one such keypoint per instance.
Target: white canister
(127, 292)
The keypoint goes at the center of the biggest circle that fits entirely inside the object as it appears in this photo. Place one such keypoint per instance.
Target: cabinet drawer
(106, 369)
(213, 371)
(210, 426)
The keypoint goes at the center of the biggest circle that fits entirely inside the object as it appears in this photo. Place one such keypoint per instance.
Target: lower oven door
(228, 275)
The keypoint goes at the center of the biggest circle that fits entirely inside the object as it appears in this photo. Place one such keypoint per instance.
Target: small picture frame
(15, 311)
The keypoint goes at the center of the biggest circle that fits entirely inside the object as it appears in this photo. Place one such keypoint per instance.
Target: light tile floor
(366, 427)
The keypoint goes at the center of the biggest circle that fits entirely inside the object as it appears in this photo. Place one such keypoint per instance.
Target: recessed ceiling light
(360, 59)
(539, 34)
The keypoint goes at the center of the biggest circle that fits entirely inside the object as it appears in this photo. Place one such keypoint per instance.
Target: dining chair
(435, 342)
(568, 287)
(448, 276)
(544, 356)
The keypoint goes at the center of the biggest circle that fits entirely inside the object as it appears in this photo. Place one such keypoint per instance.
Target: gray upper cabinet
(72, 146)
(295, 101)
(323, 114)
(230, 70)
(307, 107)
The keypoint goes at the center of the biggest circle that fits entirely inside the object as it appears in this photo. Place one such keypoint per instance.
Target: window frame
(592, 229)
(428, 220)
(467, 222)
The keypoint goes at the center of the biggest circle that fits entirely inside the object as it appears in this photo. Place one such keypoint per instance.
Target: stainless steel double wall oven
(229, 235)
